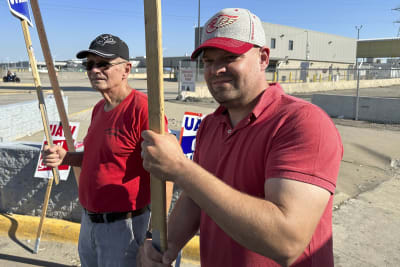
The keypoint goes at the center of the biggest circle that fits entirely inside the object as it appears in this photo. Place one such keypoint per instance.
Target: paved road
(366, 216)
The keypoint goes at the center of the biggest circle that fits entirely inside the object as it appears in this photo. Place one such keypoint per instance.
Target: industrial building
(296, 54)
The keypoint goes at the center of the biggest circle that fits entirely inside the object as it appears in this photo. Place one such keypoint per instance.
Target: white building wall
(321, 46)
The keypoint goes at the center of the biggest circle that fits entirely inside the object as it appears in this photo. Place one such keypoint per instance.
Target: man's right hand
(148, 256)
(53, 156)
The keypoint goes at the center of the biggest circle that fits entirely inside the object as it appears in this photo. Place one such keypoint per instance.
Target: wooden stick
(45, 120)
(54, 82)
(39, 92)
(44, 211)
(155, 90)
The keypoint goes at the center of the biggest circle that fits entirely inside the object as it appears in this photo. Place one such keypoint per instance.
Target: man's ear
(264, 57)
(127, 71)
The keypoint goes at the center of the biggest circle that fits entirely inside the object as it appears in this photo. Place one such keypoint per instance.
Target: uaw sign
(190, 125)
(20, 9)
(57, 134)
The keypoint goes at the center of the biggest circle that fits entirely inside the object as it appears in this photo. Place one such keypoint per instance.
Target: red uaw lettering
(59, 143)
(52, 129)
(59, 131)
(73, 128)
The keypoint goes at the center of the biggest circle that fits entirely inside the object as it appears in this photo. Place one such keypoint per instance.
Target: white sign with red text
(57, 134)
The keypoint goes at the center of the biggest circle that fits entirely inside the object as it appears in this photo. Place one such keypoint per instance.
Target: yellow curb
(21, 91)
(24, 226)
(27, 227)
(191, 251)
(81, 111)
(18, 84)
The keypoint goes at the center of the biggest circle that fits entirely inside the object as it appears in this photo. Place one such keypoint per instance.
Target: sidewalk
(18, 233)
(365, 234)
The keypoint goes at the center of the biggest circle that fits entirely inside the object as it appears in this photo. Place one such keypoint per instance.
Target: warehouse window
(291, 45)
(273, 43)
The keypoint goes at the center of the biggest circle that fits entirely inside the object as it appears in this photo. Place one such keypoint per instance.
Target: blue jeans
(111, 244)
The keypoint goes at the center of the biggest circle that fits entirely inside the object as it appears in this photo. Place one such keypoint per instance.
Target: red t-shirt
(113, 178)
(283, 137)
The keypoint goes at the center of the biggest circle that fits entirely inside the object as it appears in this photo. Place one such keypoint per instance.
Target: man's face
(105, 74)
(233, 80)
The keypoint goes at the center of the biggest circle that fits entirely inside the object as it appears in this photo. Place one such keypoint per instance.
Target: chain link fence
(325, 75)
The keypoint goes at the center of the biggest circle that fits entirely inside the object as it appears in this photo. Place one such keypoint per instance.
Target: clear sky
(71, 25)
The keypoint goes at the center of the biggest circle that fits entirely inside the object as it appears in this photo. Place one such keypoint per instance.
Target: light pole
(198, 41)
(307, 47)
(358, 28)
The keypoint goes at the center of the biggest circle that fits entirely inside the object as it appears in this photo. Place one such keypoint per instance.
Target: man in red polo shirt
(265, 167)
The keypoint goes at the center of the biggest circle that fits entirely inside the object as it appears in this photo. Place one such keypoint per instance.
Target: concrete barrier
(374, 109)
(21, 119)
(21, 193)
(202, 90)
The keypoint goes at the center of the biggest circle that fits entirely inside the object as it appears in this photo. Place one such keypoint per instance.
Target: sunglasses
(103, 65)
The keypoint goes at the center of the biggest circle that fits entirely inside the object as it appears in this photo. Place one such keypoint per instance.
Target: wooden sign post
(54, 82)
(155, 90)
(39, 92)
(21, 11)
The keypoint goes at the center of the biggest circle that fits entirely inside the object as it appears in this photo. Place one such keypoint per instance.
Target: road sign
(20, 9)
(58, 137)
(190, 125)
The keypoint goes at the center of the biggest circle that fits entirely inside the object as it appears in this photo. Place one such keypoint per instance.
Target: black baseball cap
(107, 46)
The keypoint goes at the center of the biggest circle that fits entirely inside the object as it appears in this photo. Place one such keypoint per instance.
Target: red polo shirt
(282, 137)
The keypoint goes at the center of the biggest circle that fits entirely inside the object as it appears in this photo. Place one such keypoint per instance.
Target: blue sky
(71, 25)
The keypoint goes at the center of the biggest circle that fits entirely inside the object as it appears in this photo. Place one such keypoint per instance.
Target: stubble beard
(224, 95)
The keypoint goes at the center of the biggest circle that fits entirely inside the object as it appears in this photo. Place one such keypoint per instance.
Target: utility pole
(358, 28)
(397, 21)
(307, 47)
(198, 42)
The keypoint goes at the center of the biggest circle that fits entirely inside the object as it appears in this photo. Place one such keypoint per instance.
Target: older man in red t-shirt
(114, 188)
(265, 166)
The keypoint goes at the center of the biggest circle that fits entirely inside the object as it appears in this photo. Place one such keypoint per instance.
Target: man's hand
(148, 256)
(53, 156)
(162, 155)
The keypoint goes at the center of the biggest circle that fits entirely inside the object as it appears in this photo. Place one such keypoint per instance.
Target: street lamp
(307, 47)
(198, 42)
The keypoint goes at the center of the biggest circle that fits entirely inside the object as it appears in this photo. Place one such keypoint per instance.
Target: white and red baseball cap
(235, 30)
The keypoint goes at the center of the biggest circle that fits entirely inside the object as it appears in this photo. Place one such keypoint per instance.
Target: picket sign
(57, 134)
(20, 9)
(190, 124)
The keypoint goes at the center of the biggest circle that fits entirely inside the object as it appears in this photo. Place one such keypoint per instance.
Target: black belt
(114, 216)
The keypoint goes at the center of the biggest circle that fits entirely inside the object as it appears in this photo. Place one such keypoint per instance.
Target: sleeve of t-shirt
(94, 112)
(307, 147)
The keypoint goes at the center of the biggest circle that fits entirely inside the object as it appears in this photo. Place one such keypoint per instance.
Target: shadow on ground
(30, 261)
(12, 236)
